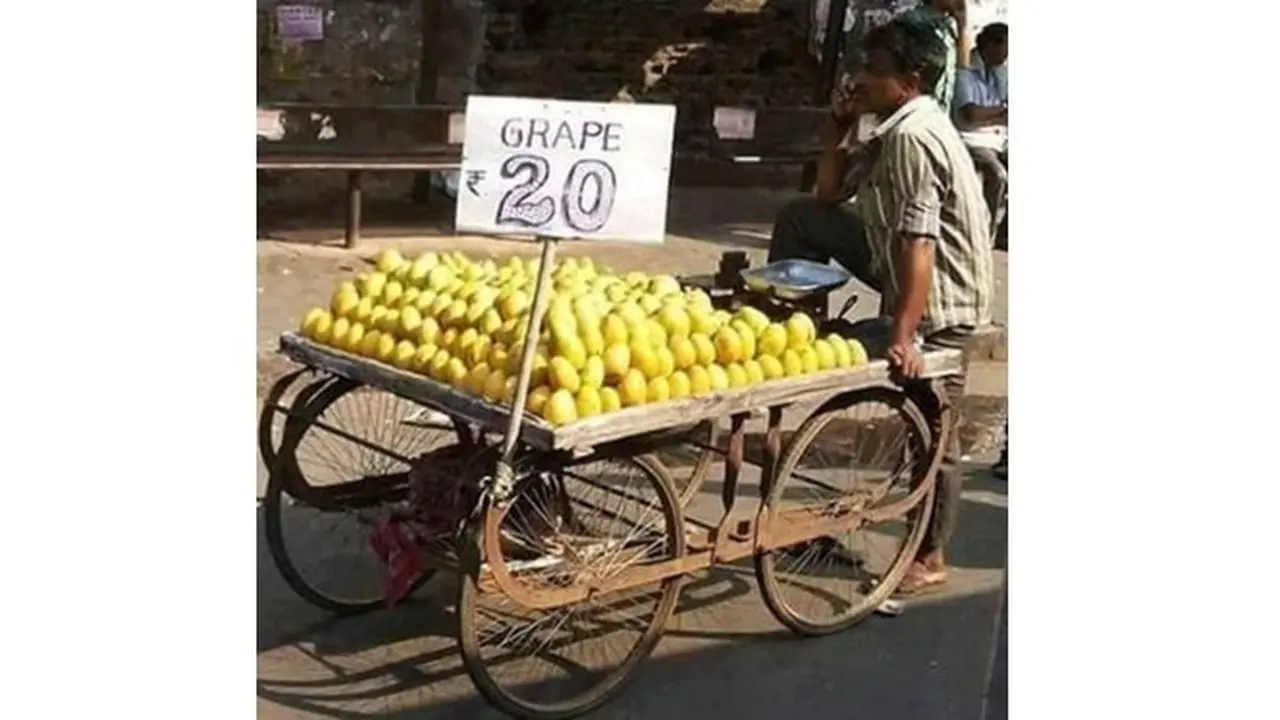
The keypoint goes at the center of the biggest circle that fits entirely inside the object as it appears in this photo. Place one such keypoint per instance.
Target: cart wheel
(572, 524)
(872, 444)
(342, 461)
(271, 420)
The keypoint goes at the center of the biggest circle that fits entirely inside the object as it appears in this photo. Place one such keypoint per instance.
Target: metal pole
(832, 43)
(831, 46)
(541, 292)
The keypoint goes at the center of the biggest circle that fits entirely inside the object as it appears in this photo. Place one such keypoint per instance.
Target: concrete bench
(355, 139)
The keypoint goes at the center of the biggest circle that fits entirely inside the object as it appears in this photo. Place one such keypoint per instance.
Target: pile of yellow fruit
(607, 341)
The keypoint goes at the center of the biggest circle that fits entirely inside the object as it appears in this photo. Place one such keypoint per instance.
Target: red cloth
(401, 556)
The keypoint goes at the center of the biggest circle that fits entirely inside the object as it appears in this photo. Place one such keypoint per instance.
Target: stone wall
(369, 55)
(693, 53)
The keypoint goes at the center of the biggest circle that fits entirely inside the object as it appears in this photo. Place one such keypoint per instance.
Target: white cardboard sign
(566, 169)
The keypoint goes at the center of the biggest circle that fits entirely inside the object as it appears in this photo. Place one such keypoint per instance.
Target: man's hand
(832, 134)
(905, 357)
(976, 116)
(844, 105)
(844, 113)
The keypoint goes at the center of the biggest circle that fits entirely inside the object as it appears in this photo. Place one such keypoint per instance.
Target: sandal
(920, 583)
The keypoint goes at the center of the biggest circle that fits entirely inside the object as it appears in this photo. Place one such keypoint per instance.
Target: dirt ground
(723, 656)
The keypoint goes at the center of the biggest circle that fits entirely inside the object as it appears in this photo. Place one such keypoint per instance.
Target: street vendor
(916, 229)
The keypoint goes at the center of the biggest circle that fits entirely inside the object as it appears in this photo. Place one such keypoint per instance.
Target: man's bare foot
(920, 579)
(928, 572)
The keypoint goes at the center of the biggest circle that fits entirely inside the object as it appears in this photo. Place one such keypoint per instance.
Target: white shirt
(976, 86)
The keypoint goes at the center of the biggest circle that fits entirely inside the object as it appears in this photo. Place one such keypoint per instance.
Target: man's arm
(917, 228)
(831, 164)
(969, 112)
(915, 274)
(979, 116)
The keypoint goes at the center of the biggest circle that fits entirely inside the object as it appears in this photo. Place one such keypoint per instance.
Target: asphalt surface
(723, 656)
(998, 686)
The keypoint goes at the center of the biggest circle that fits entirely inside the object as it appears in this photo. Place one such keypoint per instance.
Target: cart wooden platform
(572, 564)
(584, 435)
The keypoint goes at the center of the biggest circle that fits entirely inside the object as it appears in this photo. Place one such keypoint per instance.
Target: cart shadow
(285, 619)
(287, 622)
(394, 662)
(927, 664)
(410, 650)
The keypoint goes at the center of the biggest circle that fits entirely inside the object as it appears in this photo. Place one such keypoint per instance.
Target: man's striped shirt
(922, 182)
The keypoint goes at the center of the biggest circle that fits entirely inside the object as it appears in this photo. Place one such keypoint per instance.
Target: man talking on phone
(909, 220)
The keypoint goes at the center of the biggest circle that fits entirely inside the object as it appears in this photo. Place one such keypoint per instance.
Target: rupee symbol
(473, 178)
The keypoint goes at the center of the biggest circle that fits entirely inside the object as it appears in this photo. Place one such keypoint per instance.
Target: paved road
(723, 655)
(998, 687)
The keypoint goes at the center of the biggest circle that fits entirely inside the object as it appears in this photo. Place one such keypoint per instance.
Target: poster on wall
(299, 23)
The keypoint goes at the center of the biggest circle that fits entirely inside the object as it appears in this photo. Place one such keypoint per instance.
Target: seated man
(917, 230)
(982, 114)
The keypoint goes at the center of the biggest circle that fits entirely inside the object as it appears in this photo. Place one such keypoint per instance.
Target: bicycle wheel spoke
(574, 528)
(344, 434)
(867, 455)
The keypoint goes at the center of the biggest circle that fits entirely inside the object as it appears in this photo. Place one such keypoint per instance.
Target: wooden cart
(572, 556)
